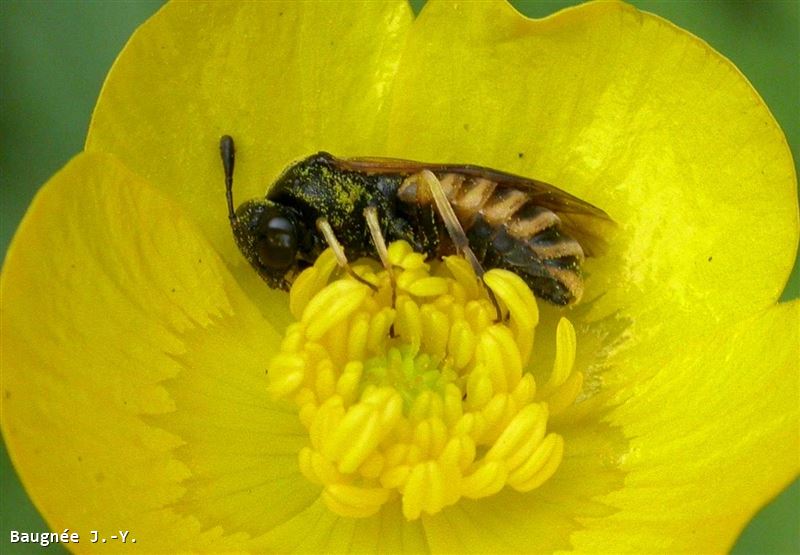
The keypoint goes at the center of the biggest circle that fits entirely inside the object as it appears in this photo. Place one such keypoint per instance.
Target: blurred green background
(54, 56)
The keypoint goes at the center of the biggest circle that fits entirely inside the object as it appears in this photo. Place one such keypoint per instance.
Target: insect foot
(442, 409)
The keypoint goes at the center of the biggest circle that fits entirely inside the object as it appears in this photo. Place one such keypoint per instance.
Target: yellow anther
(408, 324)
(328, 416)
(468, 452)
(332, 306)
(487, 479)
(495, 409)
(452, 407)
(425, 400)
(396, 454)
(422, 438)
(465, 425)
(379, 329)
(517, 432)
(311, 282)
(317, 468)
(565, 353)
(414, 454)
(307, 414)
(521, 304)
(424, 491)
(534, 423)
(401, 254)
(463, 274)
(451, 454)
(479, 388)
(357, 339)
(373, 466)
(398, 251)
(293, 340)
(479, 315)
(349, 380)
(461, 343)
(540, 466)
(428, 287)
(515, 295)
(497, 343)
(565, 395)
(326, 380)
(406, 279)
(435, 327)
(305, 396)
(354, 501)
(286, 371)
(395, 476)
(525, 390)
(420, 408)
(354, 439)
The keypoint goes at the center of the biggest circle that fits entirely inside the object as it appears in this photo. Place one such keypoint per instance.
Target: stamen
(441, 409)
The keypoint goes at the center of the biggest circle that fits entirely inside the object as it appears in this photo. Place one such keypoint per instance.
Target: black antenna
(227, 152)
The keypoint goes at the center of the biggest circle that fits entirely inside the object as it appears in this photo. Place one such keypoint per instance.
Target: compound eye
(277, 243)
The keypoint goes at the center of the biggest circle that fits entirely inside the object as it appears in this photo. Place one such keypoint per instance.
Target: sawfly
(495, 219)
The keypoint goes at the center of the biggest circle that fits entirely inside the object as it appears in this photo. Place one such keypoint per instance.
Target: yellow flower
(135, 338)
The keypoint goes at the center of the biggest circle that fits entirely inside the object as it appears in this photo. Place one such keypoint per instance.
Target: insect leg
(228, 154)
(371, 215)
(327, 231)
(455, 230)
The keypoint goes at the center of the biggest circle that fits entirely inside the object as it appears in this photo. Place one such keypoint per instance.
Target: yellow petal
(630, 113)
(617, 107)
(285, 79)
(133, 373)
(713, 452)
(318, 530)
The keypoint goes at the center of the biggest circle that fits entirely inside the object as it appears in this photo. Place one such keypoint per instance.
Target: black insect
(497, 220)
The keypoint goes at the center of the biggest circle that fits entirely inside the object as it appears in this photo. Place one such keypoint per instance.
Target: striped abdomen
(506, 229)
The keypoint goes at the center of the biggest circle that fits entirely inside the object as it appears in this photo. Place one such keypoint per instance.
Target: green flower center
(409, 373)
(428, 399)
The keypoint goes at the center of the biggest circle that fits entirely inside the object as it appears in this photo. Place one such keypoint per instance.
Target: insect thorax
(317, 188)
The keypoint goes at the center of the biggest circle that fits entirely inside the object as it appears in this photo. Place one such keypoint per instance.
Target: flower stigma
(428, 400)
